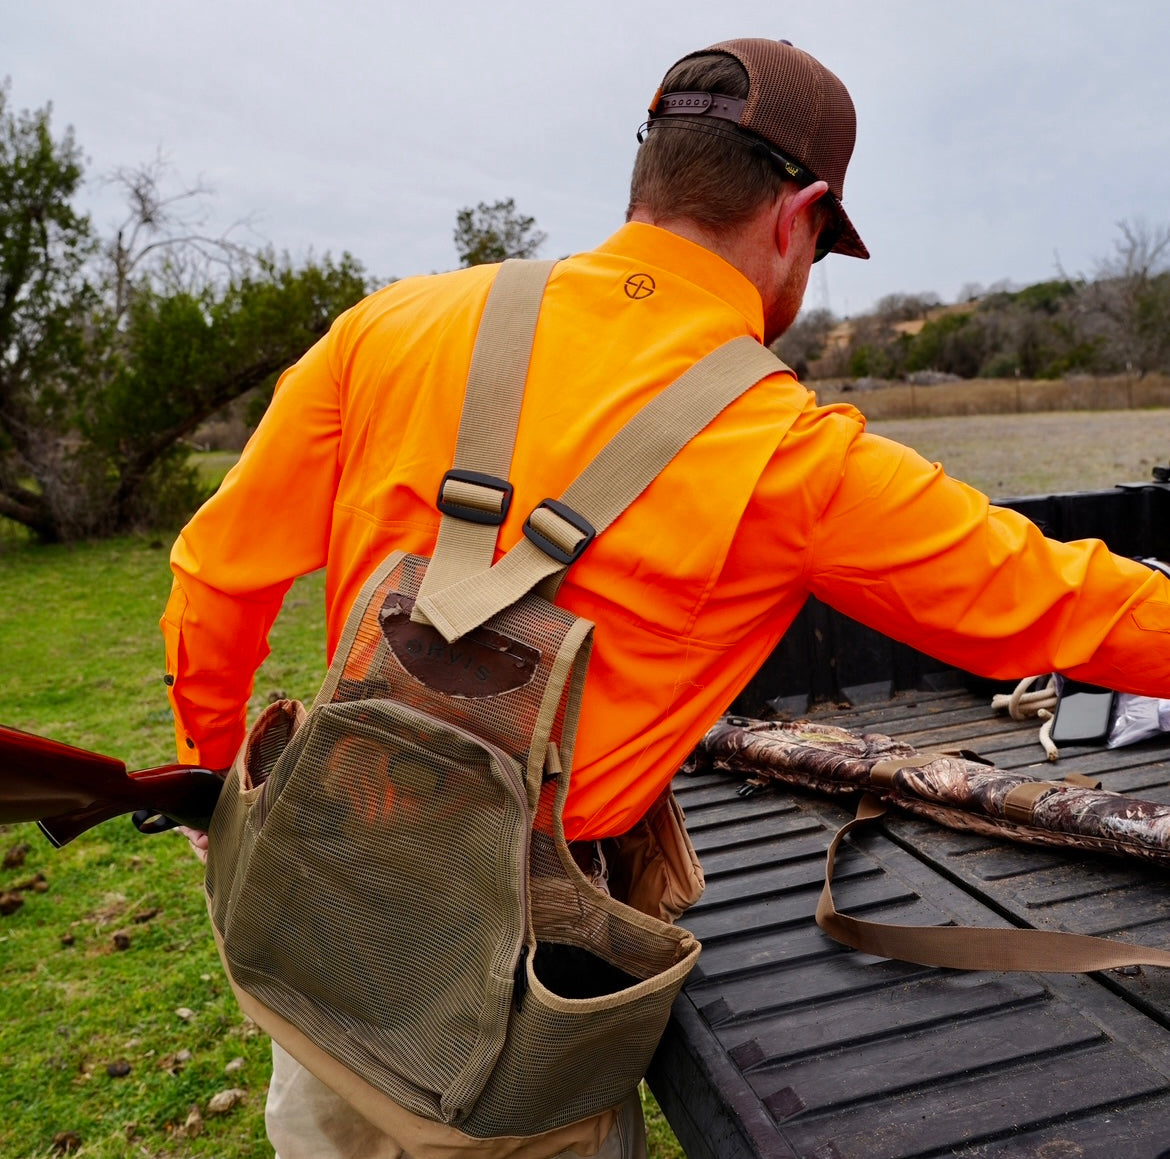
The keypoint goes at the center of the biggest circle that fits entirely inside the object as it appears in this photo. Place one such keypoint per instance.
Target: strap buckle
(475, 497)
(552, 537)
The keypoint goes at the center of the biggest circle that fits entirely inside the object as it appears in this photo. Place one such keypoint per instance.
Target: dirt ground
(1029, 454)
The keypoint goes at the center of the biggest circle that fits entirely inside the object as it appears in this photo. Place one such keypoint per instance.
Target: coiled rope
(1024, 703)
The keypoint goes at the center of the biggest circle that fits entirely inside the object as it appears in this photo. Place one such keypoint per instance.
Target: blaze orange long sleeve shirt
(693, 586)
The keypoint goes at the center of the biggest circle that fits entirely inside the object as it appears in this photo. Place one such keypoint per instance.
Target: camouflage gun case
(962, 792)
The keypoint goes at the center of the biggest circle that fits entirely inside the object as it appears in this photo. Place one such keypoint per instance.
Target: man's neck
(747, 248)
(692, 231)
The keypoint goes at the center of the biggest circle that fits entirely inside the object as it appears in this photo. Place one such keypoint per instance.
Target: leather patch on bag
(482, 663)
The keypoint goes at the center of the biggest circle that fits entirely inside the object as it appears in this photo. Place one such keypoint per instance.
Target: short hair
(709, 175)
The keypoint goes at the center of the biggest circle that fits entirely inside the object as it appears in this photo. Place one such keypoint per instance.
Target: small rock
(67, 939)
(174, 1063)
(223, 1102)
(185, 1013)
(66, 1142)
(237, 1064)
(194, 1123)
(118, 1069)
(121, 940)
(14, 857)
(10, 903)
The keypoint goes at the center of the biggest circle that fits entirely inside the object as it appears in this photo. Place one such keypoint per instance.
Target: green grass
(82, 662)
(211, 466)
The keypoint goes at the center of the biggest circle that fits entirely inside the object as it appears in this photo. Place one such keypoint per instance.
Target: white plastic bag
(1137, 718)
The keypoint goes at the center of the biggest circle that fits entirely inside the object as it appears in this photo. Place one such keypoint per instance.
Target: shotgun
(68, 790)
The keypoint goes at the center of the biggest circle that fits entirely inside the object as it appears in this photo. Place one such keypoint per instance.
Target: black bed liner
(785, 1043)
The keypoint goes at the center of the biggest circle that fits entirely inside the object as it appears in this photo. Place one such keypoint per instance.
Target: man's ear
(789, 207)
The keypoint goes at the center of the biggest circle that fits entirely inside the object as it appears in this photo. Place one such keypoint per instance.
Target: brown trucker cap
(794, 104)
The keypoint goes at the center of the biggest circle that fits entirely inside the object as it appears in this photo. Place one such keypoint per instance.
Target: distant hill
(1115, 325)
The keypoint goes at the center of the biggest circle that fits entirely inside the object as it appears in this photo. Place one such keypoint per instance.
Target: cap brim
(849, 243)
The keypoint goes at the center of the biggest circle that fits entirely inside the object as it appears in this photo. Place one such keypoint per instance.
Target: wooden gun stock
(68, 790)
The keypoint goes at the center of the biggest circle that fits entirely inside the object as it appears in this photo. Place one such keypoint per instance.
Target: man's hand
(198, 839)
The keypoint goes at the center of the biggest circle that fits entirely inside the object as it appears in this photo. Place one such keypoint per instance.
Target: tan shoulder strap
(559, 530)
(974, 947)
(474, 494)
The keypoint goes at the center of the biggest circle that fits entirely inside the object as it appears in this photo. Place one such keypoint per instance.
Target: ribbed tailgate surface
(786, 1044)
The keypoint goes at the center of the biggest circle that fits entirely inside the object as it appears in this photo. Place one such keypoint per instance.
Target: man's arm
(928, 560)
(233, 563)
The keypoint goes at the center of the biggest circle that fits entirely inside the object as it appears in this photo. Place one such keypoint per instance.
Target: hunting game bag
(388, 872)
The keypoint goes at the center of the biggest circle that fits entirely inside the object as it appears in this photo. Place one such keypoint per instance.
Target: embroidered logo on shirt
(639, 286)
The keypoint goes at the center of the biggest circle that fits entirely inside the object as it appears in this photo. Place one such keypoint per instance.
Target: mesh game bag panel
(383, 888)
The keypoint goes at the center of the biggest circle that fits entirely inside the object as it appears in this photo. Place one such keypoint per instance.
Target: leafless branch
(163, 238)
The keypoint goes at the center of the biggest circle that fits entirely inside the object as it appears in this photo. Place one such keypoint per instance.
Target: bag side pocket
(243, 802)
(655, 868)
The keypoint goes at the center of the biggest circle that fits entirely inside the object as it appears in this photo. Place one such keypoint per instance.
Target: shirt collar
(666, 250)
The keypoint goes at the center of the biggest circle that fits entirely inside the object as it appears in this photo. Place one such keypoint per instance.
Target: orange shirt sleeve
(233, 563)
(928, 560)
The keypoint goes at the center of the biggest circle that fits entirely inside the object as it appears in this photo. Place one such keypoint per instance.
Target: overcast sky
(997, 139)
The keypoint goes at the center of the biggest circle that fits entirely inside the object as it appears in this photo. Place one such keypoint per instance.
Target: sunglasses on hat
(830, 233)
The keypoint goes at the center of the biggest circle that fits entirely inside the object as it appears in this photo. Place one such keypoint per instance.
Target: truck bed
(784, 1043)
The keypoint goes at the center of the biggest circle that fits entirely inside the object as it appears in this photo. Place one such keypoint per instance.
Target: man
(737, 190)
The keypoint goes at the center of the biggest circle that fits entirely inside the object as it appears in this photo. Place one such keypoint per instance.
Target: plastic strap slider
(474, 496)
(559, 531)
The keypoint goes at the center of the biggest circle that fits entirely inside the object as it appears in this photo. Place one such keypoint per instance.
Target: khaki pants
(307, 1120)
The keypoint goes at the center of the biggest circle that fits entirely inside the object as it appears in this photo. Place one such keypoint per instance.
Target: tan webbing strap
(487, 426)
(1019, 802)
(882, 773)
(974, 947)
(1080, 781)
(608, 485)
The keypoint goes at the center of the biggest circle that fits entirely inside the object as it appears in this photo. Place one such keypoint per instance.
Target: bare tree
(112, 352)
(163, 240)
(1130, 295)
(905, 307)
(805, 340)
(1141, 252)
